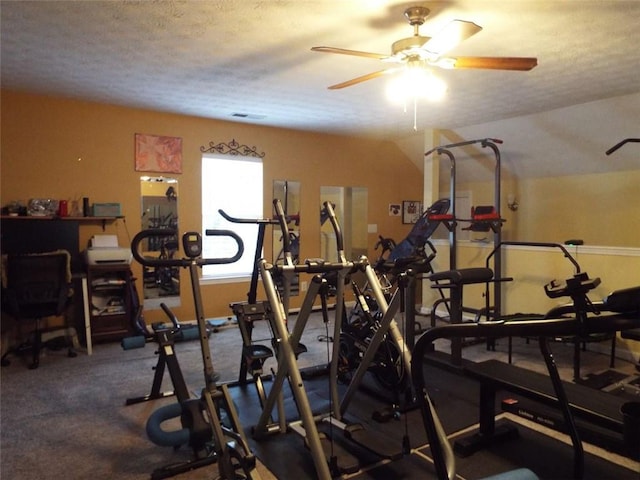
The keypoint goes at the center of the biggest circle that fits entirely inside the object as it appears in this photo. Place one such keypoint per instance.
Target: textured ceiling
(220, 59)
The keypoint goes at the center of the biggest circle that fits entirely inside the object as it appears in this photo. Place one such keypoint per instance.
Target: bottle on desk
(86, 208)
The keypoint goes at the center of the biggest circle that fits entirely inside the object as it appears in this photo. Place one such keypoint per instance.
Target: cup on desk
(63, 208)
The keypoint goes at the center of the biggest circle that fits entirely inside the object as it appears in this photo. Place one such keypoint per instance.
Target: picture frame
(411, 211)
(157, 153)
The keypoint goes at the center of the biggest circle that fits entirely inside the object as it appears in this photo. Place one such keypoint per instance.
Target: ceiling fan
(420, 51)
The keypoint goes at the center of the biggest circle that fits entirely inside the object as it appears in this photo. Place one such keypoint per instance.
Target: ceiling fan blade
(451, 35)
(344, 51)
(363, 78)
(495, 63)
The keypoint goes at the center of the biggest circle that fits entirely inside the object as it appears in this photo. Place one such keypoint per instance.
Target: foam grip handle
(162, 437)
(186, 334)
(128, 343)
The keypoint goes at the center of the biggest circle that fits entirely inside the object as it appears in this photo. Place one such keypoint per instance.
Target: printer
(104, 250)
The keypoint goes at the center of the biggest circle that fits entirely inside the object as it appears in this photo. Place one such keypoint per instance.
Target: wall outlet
(304, 286)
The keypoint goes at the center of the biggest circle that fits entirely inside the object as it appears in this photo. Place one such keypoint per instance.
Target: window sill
(223, 280)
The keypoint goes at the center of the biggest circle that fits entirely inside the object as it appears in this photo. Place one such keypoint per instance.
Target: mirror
(160, 210)
(350, 205)
(288, 192)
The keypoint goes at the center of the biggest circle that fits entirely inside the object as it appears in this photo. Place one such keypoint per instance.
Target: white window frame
(234, 184)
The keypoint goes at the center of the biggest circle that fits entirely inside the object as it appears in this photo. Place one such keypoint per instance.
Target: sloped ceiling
(250, 61)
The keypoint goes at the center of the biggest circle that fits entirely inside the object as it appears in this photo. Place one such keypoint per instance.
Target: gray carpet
(68, 418)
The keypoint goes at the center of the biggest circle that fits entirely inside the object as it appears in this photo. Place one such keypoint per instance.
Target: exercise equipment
(515, 379)
(202, 418)
(377, 343)
(255, 354)
(415, 252)
(455, 281)
(181, 331)
(328, 459)
(570, 309)
(483, 218)
(358, 328)
(167, 360)
(413, 245)
(620, 144)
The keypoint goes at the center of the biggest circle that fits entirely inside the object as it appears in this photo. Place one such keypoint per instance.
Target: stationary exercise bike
(358, 328)
(203, 429)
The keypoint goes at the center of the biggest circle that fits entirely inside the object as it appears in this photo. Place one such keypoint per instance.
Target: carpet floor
(68, 418)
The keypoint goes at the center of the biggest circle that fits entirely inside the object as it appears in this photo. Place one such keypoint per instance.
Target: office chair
(36, 286)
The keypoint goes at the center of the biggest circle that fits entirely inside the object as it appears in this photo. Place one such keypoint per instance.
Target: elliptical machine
(358, 328)
(211, 440)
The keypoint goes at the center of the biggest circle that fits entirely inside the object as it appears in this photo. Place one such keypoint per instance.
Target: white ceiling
(218, 58)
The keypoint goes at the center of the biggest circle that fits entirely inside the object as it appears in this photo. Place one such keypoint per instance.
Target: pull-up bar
(484, 141)
(444, 150)
(621, 143)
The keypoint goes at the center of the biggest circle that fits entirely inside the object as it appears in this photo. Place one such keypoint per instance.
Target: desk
(20, 235)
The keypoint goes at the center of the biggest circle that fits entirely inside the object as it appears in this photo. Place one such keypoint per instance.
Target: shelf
(100, 284)
(110, 300)
(102, 220)
(53, 217)
(120, 311)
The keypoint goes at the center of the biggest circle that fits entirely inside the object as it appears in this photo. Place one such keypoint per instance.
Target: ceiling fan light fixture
(415, 83)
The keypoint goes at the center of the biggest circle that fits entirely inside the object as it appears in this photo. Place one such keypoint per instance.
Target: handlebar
(565, 252)
(319, 266)
(182, 262)
(620, 144)
(258, 221)
(328, 206)
(574, 287)
(284, 227)
(484, 141)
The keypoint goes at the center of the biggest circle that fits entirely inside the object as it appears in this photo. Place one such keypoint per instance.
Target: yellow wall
(601, 209)
(65, 149)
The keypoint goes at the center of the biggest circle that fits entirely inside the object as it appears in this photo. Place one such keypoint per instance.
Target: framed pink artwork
(155, 153)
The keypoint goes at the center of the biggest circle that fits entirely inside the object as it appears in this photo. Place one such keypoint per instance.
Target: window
(233, 184)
